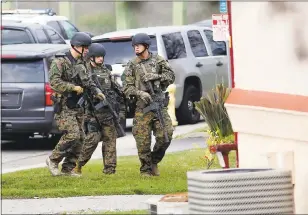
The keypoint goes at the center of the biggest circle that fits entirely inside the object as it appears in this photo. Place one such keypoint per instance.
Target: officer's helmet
(141, 38)
(96, 50)
(81, 39)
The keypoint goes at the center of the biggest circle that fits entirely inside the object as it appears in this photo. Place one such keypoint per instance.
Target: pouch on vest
(91, 126)
(72, 100)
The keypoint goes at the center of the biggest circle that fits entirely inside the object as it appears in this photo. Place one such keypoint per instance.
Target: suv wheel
(54, 139)
(187, 112)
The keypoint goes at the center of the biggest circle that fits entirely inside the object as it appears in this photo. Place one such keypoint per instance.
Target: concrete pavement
(21, 160)
(76, 204)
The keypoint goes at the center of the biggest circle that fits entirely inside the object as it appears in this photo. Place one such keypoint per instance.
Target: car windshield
(22, 71)
(121, 51)
(14, 36)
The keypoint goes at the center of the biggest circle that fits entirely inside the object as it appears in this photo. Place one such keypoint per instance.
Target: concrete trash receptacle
(240, 191)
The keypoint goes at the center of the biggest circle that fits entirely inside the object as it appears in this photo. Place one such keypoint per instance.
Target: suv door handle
(199, 64)
(219, 63)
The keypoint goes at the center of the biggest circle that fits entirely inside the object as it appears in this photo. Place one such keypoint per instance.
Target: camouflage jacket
(62, 75)
(108, 86)
(133, 72)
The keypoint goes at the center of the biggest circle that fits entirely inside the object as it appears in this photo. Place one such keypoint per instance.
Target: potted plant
(221, 135)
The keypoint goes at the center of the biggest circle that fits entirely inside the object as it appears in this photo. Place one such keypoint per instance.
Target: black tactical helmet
(96, 50)
(141, 38)
(81, 39)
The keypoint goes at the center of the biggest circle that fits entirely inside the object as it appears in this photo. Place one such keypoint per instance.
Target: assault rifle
(106, 103)
(156, 106)
(86, 97)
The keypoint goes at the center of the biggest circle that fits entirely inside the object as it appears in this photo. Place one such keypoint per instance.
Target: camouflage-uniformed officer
(108, 133)
(148, 67)
(62, 75)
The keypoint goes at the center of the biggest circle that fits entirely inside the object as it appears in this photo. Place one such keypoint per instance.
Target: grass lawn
(39, 182)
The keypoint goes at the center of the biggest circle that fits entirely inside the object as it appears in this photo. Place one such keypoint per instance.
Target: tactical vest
(150, 65)
(103, 77)
(68, 74)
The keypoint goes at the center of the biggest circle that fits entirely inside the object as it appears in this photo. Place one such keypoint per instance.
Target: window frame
(63, 29)
(45, 33)
(183, 43)
(202, 39)
(27, 30)
(210, 42)
(51, 41)
(62, 33)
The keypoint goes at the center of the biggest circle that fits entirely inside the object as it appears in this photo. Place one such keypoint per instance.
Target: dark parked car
(14, 32)
(45, 17)
(26, 105)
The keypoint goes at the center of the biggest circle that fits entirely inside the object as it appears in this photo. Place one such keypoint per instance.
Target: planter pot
(240, 191)
(225, 150)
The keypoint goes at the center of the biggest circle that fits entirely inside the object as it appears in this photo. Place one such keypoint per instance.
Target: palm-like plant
(211, 107)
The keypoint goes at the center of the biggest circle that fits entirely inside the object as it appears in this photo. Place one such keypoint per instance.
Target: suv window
(218, 47)
(22, 71)
(174, 45)
(55, 38)
(69, 28)
(14, 36)
(121, 51)
(197, 44)
(41, 36)
(55, 25)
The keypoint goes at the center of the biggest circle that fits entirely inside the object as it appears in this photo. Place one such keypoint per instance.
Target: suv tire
(187, 114)
(54, 139)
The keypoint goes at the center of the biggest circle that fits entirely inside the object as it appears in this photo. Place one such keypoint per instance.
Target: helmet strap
(81, 53)
(146, 47)
(94, 61)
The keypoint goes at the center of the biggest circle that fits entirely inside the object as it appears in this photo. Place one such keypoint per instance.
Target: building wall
(274, 38)
(269, 105)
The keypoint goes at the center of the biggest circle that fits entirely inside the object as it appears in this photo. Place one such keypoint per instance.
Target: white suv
(198, 61)
(46, 17)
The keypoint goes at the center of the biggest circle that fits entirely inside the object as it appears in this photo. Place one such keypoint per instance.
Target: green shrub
(212, 109)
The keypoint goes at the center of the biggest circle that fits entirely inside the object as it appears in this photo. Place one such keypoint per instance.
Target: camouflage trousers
(108, 135)
(143, 125)
(69, 122)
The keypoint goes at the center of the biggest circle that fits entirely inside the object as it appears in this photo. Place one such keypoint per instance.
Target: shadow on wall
(294, 11)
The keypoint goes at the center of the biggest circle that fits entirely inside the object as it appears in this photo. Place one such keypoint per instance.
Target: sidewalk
(76, 204)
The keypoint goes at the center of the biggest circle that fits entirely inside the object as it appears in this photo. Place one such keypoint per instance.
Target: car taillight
(8, 56)
(48, 92)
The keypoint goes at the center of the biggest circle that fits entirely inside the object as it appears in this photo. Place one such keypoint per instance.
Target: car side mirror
(108, 66)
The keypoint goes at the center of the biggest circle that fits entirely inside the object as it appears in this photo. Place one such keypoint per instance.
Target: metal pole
(179, 12)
